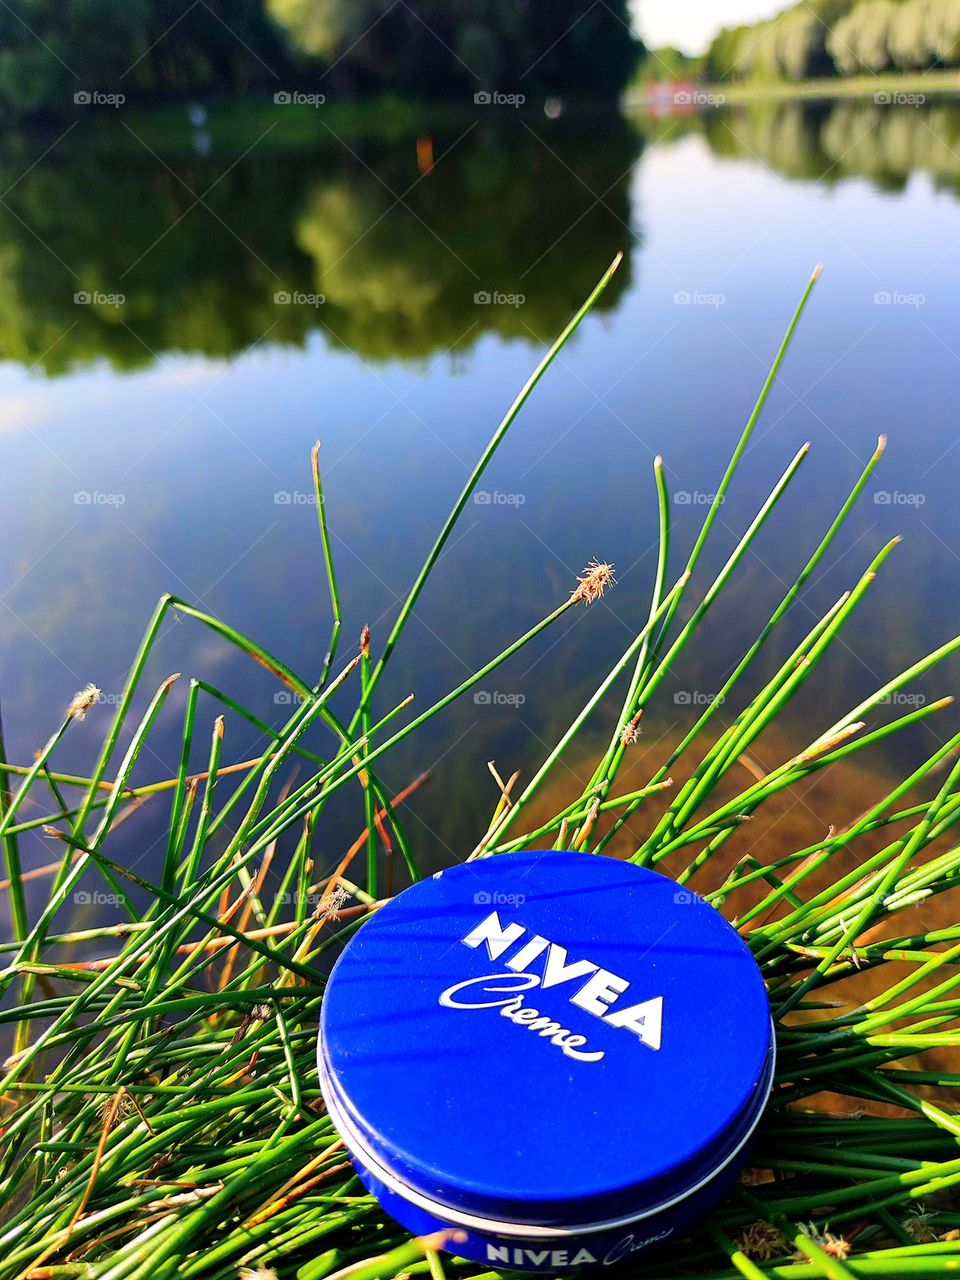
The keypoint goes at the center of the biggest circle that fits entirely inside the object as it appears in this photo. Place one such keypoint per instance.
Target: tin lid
(546, 1037)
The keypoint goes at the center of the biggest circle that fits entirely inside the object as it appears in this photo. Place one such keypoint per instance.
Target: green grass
(161, 1111)
(232, 122)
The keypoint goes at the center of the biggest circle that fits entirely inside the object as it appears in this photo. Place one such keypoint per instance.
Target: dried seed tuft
(761, 1241)
(83, 700)
(593, 582)
(631, 731)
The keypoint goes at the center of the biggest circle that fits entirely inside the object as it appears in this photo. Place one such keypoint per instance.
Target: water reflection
(199, 448)
(398, 253)
(398, 256)
(830, 142)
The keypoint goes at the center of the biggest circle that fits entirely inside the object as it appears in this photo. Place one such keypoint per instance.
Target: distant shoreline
(916, 85)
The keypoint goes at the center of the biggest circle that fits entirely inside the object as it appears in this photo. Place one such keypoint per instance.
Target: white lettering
(516, 982)
(520, 1257)
(599, 991)
(513, 1008)
(492, 932)
(528, 953)
(644, 1020)
(630, 1244)
(557, 969)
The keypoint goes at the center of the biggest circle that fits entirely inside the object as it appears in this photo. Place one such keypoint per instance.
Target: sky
(691, 24)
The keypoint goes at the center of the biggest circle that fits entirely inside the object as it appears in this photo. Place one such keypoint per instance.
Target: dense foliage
(840, 37)
(52, 49)
(450, 46)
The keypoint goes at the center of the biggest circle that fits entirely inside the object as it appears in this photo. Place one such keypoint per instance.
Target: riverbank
(886, 89)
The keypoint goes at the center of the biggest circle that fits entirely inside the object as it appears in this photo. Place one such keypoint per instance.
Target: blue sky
(691, 24)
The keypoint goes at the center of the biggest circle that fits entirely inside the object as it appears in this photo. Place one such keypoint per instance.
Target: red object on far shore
(424, 153)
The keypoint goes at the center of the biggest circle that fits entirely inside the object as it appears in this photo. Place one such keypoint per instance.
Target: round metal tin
(560, 1055)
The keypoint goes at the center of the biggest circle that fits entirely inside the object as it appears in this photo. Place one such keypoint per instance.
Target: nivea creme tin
(560, 1055)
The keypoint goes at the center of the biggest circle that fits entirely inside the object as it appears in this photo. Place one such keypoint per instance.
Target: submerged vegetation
(161, 1115)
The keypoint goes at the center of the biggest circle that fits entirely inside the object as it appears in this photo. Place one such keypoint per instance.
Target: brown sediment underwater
(790, 820)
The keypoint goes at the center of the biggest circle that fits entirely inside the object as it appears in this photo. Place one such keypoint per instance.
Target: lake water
(286, 285)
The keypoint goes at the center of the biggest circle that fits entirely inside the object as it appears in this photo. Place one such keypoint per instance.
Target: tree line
(50, 50)
(839, 38)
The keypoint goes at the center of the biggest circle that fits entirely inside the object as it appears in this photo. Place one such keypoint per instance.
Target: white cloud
(27, 402)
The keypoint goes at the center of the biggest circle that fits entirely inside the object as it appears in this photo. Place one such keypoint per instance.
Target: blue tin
(560, 1056)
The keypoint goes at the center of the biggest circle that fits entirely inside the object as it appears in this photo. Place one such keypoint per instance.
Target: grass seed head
(761, 1241)
(331, 903)
(83, 700)
(593, 582)
(113, 1110)
(834, 1246)
(631, 732)
(918, 1225)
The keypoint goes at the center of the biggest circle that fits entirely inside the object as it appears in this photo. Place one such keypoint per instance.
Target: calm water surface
(332, 287)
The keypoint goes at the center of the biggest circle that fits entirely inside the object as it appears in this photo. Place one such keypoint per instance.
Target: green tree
(760, 55)
(860, 41)
(724, 58)
(802, 38)
(945, 32)
(53, 49)
(324, 27)
(455, 46)
(668, 63)
(911, 33)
